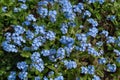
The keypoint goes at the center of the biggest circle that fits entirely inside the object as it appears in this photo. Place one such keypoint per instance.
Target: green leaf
(100, 73)
(98, 16)
(25, 54)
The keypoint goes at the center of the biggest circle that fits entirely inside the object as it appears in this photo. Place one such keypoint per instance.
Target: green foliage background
(99, 12)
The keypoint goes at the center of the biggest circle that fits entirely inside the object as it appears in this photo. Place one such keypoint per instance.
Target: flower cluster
(12, 75)
(37, 62)
(88, 70)
(70, 64)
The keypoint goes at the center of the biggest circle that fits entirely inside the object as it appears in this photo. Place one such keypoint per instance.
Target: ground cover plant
(59, 40)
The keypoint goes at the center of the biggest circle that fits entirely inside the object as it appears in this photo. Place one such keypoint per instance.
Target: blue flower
(86, 13)
(51, 73)
(93, 22)
(35, 56)
(43, 3)
(23, 75)
(104, 32)
(23, 6)
(70, 16)
(52, 2)
(117, 52)
(45, 52)
(96, 77)
(92, 51)
(72, 24)
(64, 28)
(111, 67)
(93, 32)
(4, 9)
(52, 58)
(29, 35)
(37, 42)
(81, 37)
(19, 29)
(101, 1)
(50, 35)
(8, 36)
(102, 60)
(118, 59)
(84, 70)
(52, 55)
(22, 65)
(67, 9)
(9, 47)
(117, 41)
(43, 12)
(66, 6)
(68, 50)
(53, 19)
(52, 15)
(37, 78)
(99, 43)
(12, 75)
(26, 48)
(110, 39)
(83, 46)
(37, 62)
(81, 6)
(59, 78)
(81, 26)
(70, 64)
(39, 29)
(27, 23)
(45, 78)
(22, 1)
(78, 8)
(31, 17)
(88, 70)
(67, 40)
(91, 1)
(17, 39)
(52, 51)
(60, 53)
(91, 69)
(17, 9)
(111, 17)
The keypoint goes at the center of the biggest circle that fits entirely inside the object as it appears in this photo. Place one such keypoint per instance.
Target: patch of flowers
(61, 39)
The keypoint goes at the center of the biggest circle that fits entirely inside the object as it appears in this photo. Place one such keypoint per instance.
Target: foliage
(59, 40)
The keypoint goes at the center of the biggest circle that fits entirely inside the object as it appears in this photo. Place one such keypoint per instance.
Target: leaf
(25, 54)
(98, 16)
(100, 73)
(1, 52)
